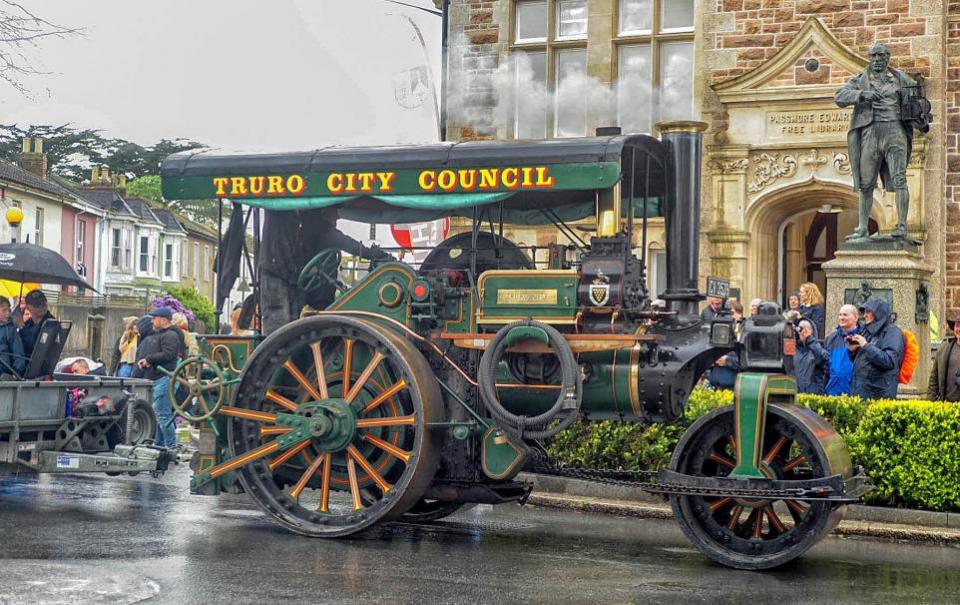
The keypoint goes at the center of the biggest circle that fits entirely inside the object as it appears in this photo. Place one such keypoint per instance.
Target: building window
(144, 254)
(184, 261)
(658, 271)
(550, 56)
(531, 22)
(81, 241)
(207, 264)
(116, 247)
(127, 249)
(38, 227)
(168, 261)
(196, 260)
(571, 19)
(655, 63)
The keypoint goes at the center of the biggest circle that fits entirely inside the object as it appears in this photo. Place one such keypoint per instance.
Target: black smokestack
(683, 142)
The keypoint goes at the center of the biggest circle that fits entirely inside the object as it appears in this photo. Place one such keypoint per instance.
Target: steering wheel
(205, 393)
(321, 272)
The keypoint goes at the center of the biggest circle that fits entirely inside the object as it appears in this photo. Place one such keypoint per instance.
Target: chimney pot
(94, 175)
(38, 145)
(26, 145)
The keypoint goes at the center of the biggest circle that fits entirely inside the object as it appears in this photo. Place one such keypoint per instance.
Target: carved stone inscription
(820, 123)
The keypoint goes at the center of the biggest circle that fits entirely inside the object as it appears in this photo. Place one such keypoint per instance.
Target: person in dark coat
(39, 313)
(713, 308)
(12, 360)
(162, 353)
(811, 362)
(812, 305)
(145, 344)
(877, 352)
(944, 382)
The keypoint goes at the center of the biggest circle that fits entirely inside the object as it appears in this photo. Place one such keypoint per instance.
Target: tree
(21, 30)
(197, 304)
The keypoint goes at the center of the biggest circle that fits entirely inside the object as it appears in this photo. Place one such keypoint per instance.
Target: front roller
(758, 440)
(331, 432)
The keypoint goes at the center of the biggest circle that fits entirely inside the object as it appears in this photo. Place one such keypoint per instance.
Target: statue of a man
(880, 138)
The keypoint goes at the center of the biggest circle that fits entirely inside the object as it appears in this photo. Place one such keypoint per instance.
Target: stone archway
(765, 221)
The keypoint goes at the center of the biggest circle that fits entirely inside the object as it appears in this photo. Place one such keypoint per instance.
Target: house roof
(197, 230)
(106, 198)
(169, 221)
(141, 208)
(11, 172)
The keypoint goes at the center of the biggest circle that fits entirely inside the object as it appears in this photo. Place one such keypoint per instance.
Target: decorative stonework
(841, 163)
(814, 160)
(768, 168)
(728, 166)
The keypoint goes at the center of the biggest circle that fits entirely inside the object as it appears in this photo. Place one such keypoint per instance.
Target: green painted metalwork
(416, 189)
(753, 393)
(365, 295)
(331, 424)
(522, 333)
(502, 457)
(544, 295)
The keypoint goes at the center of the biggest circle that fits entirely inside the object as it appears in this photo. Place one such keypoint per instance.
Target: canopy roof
(423, 182)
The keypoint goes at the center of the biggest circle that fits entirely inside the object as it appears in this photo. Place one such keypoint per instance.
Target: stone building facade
(777, 195)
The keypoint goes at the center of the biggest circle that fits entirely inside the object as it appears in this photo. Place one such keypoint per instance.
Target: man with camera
(944, 382)
(877, 352)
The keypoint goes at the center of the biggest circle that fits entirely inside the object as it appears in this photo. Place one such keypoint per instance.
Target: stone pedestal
(896, 273)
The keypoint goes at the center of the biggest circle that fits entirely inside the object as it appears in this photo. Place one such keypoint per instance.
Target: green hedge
(910, 449)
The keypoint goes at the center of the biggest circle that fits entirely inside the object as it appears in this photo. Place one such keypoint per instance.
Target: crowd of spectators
(864, 355)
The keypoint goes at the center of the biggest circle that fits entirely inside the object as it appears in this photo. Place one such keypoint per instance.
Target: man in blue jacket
(841, 366)
(877, 353)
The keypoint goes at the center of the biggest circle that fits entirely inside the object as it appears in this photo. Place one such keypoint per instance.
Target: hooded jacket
(811, 364)
(939, 380)
(876, 366)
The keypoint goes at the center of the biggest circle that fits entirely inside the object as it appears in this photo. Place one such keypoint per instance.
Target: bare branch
(21, 29)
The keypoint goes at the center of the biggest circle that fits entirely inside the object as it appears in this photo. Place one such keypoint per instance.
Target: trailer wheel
(367, 395)
(759, 534)
(143, 423)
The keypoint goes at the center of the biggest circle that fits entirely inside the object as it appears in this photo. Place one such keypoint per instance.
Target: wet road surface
(91, 539)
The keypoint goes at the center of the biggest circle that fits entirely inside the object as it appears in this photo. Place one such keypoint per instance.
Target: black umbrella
(33, 263)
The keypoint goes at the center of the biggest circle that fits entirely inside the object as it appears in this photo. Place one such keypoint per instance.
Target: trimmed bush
(910, 449)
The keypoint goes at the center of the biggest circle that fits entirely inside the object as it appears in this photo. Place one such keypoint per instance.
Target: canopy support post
(255, 274)
(219, 271)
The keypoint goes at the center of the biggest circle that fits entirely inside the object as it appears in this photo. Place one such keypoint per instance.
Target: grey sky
(239, 74)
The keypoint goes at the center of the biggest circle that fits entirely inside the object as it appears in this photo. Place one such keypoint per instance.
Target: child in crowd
(12, 360)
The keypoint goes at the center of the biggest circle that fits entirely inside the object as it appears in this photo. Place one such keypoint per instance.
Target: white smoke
(485, 97)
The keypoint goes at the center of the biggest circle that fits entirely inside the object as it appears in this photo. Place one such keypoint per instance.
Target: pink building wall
(68, 240)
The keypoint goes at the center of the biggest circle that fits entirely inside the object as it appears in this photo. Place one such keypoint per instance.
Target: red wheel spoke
(280, 400)
(267, 431)
(366, 423)
(298, 375)
(789, 466)
(321, 374)
(306, 476)
(325, 484)
(365, 465)
(774, 520)
(287, 455)
(797, 510)
(387, 447)
(347, 364)
(248, 414)
(364, 376)
(733, 444)
(354, 484)
(264, 450)
(782, 441)
(757, 523)
(715, 506)
(721, 459)
(734, 517)
(384, 396)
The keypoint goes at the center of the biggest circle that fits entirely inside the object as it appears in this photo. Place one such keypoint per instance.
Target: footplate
(834, 488)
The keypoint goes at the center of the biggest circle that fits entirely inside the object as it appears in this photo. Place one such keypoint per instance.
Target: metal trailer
(36, 436)
(422, 389)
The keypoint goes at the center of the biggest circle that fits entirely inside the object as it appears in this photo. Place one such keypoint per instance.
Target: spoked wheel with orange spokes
(331, 431)
(753, 533)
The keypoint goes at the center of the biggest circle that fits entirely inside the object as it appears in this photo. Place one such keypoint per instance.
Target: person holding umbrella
(39, 313)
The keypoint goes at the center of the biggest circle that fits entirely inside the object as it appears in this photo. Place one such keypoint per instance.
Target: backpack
(911, 357)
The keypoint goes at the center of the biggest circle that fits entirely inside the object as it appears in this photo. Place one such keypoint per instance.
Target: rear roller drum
(332, 433)
(750, 533)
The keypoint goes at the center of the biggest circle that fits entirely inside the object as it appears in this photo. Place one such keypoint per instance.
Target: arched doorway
(793, 231)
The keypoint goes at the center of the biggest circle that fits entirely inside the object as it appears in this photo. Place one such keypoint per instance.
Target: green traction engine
(425, 388)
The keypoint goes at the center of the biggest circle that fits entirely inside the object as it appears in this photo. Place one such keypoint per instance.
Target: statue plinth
(882, 242)
(894, 270)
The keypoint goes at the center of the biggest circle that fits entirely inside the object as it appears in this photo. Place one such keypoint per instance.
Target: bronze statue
(887, 106)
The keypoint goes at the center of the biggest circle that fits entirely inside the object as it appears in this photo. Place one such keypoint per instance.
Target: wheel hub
(331, 424)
